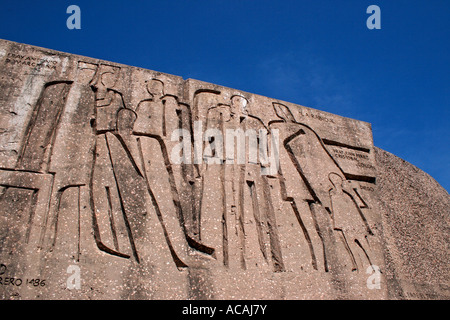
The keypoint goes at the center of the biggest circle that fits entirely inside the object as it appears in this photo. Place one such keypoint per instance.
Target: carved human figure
(111, 220)
(314, 163)
(209, 189)
(40, 132)
(348, 220)
(123, 155)
(25, 189)
(203, 100)
(161, 112)
(150, 111)
(63, 222)
(157, 117)
(257, 240)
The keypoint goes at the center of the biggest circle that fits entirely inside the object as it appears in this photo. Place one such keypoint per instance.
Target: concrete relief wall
(155, 187)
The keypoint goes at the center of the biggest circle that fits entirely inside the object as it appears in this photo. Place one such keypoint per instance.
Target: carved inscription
(361, 159)
(14, 281)
(317, 116)
(33, 62)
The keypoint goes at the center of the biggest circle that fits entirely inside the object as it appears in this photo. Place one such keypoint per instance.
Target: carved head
(336, 180)
(283, 112)
(86, 72)
(107, 77)
(155, 87)
(239, 105)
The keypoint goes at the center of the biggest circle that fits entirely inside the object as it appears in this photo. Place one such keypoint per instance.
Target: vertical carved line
(79, 225)
(125, 218)
(364, 250)
(297, 165)
(173, 185)
(34, 199)
(95, 227)
(293, 204)
(178, 262)
(198, 188)
(224, 206)
(55, 219)
(54, 223)
(111, 218)
(56, 125)
(176, 199)
(240, 217)
(30, 127)
(91, 195)
(361, 214)
(319, 233)
(164, 129)
(306, 234)
(257, 216)
(46, 214)
(128, 153)
(349, 250)
(275, 246)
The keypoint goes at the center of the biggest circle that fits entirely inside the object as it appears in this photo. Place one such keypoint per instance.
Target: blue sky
(318, 54)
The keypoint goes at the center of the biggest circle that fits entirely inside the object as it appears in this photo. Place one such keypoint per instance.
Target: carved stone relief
(265, 190)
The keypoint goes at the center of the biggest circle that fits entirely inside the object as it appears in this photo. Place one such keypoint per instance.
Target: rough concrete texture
(123, 183)
(416, 230)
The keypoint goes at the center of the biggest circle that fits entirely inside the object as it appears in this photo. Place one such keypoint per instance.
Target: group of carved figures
(125, 140)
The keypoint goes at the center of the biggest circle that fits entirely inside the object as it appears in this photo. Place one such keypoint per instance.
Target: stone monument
(118, 182)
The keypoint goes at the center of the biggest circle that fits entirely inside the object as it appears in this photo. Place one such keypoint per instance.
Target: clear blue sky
(315, 53)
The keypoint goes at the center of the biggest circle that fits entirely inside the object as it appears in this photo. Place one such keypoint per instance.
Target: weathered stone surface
(123, 183)
(416, 229)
